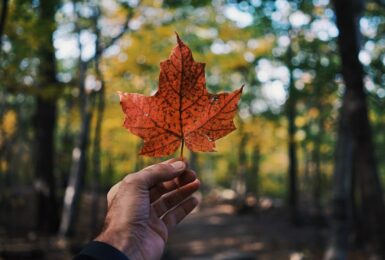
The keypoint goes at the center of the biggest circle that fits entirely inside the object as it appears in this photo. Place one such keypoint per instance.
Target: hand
(145, 206)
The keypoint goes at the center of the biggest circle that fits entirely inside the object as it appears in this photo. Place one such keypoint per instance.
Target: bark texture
(45, 122)
(355, 150)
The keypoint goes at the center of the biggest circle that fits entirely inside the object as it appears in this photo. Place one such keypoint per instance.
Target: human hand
(145, 206)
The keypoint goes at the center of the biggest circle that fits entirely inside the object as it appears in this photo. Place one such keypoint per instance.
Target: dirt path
(216, 232)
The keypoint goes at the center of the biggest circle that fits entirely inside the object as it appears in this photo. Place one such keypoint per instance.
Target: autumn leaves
(182, 111)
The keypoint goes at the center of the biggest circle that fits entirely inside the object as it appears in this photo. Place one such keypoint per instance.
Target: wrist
(124, 243)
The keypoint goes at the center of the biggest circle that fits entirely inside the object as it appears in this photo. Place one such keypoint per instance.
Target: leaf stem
(181, 149)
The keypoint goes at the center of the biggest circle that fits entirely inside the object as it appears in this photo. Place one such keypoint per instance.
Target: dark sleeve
(96, 250)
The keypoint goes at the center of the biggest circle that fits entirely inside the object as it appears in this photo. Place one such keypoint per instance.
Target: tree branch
(113, 40)
(3, 18)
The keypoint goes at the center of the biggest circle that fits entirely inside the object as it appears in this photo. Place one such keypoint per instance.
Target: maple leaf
(182, 110)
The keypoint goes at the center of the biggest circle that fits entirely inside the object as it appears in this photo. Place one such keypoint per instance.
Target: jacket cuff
(97, 250)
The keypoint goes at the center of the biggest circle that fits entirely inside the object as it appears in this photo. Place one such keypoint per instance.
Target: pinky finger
(176, 215)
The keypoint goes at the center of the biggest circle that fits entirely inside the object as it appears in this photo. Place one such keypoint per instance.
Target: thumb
(154, 174)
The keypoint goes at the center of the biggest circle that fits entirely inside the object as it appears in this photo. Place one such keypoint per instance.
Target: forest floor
(219, 232)
(215, 231)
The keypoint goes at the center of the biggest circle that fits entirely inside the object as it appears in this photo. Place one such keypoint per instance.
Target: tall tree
(355, 150)
(292, 145)
(80, 151)
(45, 120)
(3, 18)
(240, 183)
(317, 189)
(96, 154)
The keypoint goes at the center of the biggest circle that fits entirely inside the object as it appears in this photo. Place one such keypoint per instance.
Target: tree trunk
(67, 143)
(307, 168)
(341, 191)
(44, 123)
(96, 156)
(79, 162)
(3, 19)
(355, 148)
(317, 188)
(74, 188)
(254, 173)
(240, 183)
(79, 155)
(292, 145)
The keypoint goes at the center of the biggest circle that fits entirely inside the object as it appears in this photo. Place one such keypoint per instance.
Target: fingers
(162, 188)
(158, 173)
(176, 215)
(151, 175)
(172, 199)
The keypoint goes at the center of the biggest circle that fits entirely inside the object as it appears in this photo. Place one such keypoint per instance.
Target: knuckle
(130, 178)
(136, 179)
(109, 196)
(111, 193)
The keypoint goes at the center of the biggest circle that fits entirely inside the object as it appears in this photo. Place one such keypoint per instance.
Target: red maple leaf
(182, 110)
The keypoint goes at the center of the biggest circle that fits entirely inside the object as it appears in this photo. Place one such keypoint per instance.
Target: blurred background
(301, 176)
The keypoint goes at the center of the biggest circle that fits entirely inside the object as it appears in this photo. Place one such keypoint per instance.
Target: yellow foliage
(9, 122)
(3, 166)
(313, 112)
(300, 121)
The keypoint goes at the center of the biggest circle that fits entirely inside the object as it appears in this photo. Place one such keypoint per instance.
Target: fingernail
(178, 165)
